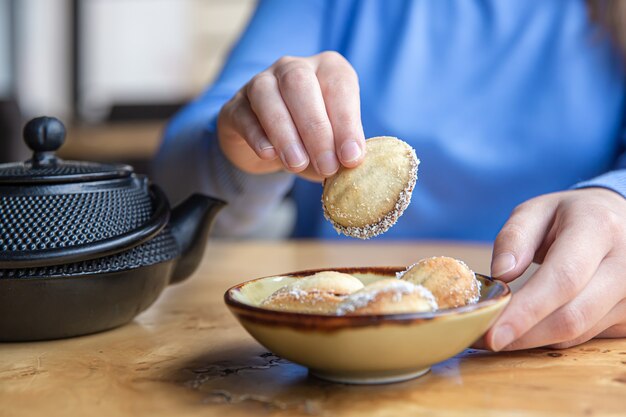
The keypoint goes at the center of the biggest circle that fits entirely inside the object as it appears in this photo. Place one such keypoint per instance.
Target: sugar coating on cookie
(328, 281)
(450, 280)
(366, 201)
(388, 296)
(320, 293)
(298, 301)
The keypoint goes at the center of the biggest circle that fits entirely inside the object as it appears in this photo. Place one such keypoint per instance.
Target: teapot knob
(44, 135)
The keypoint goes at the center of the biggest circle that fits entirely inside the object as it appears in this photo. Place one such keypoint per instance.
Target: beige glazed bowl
(366, 349)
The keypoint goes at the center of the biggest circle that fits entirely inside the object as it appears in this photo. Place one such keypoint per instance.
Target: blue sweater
(502, 101)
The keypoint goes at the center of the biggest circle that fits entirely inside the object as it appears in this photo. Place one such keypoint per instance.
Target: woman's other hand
(579, 290)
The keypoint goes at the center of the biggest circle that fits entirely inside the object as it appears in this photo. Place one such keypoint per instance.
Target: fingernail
(502, 264)
(327, 163)
(266, 148)
(502, 337)
(293, 156)
(350, 151)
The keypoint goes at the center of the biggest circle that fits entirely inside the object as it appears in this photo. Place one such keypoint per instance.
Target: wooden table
(187, 356)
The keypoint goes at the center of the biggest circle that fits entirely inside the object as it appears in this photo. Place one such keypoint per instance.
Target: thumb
(520, 237)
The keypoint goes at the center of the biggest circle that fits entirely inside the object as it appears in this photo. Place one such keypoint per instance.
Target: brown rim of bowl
(330, 322)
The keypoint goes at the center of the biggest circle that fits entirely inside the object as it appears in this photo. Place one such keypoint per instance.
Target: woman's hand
(579, 291)
(301, 114)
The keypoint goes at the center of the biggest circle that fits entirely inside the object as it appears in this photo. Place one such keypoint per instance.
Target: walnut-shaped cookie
(388, 296)
(451, 281)
(320, 293)
(367, 200)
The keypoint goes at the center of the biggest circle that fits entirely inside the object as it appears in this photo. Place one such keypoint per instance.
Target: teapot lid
(44, 136)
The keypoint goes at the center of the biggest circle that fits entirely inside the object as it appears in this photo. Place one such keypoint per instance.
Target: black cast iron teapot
(85, 247)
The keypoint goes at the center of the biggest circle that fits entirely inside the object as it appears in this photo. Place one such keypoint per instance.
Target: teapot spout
(190, 223)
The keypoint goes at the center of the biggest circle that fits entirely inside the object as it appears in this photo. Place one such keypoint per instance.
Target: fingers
(303, 111)
(520, 237)
(611, 326)
(267, 103)
(301, 92)
(243, 140)
(570, 263)
(246, 124)
(617, 330)
(340, 89)
(580, 319)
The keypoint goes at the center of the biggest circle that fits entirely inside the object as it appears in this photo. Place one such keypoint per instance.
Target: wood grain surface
(187, 356)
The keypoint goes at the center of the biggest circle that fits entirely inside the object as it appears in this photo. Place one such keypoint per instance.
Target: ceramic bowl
(364, 349)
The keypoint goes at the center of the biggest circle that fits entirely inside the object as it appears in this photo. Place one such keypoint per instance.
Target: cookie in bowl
(388, 296)
(320, 293)
(450, 280)
(367, 200)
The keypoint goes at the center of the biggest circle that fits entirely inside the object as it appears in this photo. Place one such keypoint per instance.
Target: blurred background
(113, 70)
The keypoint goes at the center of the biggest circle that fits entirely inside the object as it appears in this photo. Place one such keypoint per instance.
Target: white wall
(134, 51)
(5, 63)
(145, 51)
(43, 57)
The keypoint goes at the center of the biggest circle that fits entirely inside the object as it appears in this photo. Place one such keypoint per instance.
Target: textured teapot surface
(64, 213)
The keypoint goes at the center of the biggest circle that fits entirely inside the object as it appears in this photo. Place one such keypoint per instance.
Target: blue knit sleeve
(612, 180)
(615, 179)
